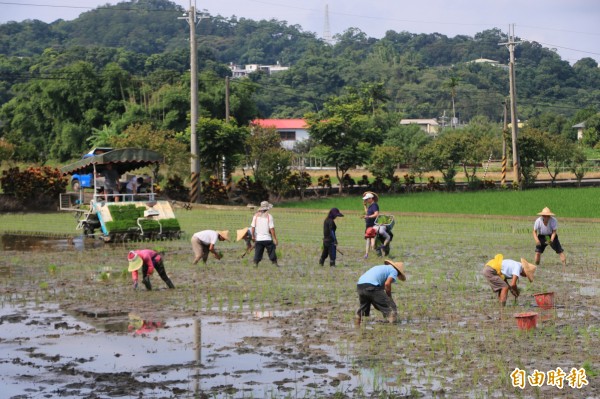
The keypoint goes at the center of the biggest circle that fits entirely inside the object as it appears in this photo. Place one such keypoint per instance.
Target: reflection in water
(140, 326)
(14, 242)
(184, 355)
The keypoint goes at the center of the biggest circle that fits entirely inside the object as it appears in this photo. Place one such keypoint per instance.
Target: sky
(571, 27)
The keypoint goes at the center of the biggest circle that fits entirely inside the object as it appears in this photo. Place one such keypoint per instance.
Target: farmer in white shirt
(263, 234)
(503, 275)
(204, 242)
(544, 233)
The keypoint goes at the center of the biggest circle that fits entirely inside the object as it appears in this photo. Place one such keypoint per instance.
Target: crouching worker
(503, 275)
(375, 287)
(246, 235)
(147, 260)
(203, 243)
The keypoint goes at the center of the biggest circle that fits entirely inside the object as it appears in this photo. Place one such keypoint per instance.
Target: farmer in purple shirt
(375, 287)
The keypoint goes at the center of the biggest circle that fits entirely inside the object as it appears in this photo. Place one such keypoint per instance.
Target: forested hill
(117, 65)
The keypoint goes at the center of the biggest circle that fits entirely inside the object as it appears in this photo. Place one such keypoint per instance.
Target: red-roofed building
(290, 130)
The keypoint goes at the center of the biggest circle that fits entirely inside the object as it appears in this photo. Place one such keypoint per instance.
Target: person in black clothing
(329, 237)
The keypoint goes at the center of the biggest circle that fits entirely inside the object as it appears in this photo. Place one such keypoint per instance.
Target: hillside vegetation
(70, 85)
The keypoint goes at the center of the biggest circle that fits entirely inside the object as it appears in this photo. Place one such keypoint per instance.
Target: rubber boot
(147, 284)
(169, 283)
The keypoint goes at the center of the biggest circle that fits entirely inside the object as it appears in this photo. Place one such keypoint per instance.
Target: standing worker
(371, 213)
(111, 183)
(500, 271)
(545, 232)
(263, 234)
(148, 260)
(133, 186)
(371, 208)
(329, 237)
(203, 243)
(375, 287)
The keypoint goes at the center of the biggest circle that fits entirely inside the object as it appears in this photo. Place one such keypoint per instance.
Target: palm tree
(452, 84)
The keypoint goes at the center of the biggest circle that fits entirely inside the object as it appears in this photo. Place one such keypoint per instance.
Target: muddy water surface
(50, 352)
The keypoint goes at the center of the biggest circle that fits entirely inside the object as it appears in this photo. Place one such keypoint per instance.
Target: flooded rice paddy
(72, 326)
(82, 353)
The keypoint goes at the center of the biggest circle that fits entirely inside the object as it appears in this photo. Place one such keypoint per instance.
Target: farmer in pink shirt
(147, 260)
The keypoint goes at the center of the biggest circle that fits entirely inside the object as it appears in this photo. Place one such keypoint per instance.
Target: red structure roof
(281, 123)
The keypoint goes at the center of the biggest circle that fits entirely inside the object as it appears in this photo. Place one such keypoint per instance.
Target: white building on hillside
(240, 72)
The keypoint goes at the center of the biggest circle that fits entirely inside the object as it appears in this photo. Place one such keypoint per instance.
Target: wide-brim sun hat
(398, 266)
(545, 212)
(265, 206)
(135, 261)
(528, 268)
(496, 263)
(224, 234)
(370, 194)
(370, 232)
(241, 233)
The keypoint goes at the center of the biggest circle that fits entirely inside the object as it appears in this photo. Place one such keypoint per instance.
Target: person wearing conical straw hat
(147, 260)
(203, 243)
(503, 275)
(246, 235)
(545, 232)
(374, 287)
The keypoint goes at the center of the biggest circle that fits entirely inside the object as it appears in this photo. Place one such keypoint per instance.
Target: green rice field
(453, 340)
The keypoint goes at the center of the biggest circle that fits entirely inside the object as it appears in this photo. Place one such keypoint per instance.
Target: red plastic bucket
(526, 321)
(545, 300)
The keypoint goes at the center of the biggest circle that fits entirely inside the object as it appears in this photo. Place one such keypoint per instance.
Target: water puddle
(113, 354)
(15, 242)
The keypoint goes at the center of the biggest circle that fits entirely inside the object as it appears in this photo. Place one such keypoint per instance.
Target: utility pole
(227, 121)
(513, 101)
(504, 134)
(192, 19)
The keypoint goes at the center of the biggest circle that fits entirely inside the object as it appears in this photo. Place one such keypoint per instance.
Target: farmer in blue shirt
(375, 287)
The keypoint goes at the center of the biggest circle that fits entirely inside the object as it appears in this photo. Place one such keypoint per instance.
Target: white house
(290, 130)
(239, 72)
(429, 126)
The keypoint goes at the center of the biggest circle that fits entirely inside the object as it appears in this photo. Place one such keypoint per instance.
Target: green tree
(384, 162)
(221, 145)
(444, 154)
(591, 133)
(270, 163)
(346, 130)
(408, 139)
(166, 142)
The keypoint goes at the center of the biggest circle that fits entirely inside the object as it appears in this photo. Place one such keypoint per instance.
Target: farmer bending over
(500, 271)
(375, 287)
(148, 260)
(204, 242)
